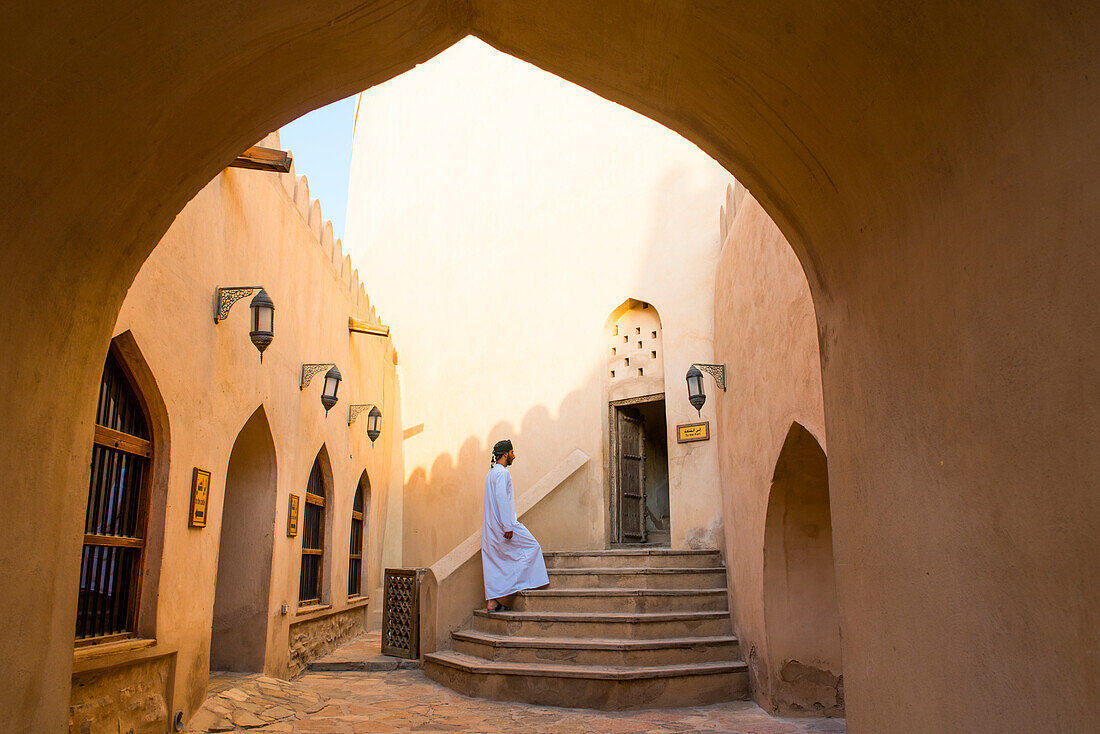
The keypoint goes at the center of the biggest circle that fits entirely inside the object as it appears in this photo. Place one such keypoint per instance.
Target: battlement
(297, 189)
(735, 194)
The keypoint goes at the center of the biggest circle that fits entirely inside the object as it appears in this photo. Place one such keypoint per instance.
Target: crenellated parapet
(735, 194)
(297, 189)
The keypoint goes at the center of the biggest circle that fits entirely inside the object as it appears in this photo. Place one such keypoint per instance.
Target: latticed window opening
(313, 537)
(114, 521)
(355, 557)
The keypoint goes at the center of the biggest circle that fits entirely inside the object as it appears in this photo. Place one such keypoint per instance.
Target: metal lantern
(696, 396)
(328, 393)
(374, 424)
(263, 321)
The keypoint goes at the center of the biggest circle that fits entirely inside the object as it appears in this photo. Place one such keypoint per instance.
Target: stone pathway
(405, 700)
(238, 701)
(363, 654)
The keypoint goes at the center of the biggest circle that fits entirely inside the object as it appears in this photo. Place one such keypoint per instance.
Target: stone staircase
(616, 629)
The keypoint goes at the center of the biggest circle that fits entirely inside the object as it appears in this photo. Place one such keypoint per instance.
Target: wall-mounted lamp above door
(697, 396)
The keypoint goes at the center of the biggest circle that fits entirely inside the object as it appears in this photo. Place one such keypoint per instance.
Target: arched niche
(238, 637)
(635, 350)
(803, 665)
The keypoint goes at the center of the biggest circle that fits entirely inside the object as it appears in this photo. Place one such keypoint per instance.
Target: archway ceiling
(821, 110)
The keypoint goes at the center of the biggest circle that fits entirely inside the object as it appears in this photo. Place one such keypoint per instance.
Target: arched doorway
(238, 637)
(800, 609)
(638, 467)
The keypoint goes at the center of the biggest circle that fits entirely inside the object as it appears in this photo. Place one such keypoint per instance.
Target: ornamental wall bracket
(224, 298)
(717, 371)
(311, 370)
(355, 410)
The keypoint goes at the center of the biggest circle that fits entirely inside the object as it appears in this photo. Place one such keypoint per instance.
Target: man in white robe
(511, 558)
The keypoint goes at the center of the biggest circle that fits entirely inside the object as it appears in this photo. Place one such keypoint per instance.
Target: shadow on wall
(444, 507)
(800, 608)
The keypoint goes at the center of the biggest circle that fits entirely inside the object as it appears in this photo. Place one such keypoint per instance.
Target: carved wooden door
(631, 479)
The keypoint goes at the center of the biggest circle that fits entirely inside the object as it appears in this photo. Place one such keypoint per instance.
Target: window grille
(114, 521)
(355, 558)
(313, 537)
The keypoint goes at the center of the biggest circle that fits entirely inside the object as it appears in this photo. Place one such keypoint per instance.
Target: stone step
(590, 686)
(584, 651)
(621, 600)
(638, 578)
(631, 626)
(632, 558)
(362, 654)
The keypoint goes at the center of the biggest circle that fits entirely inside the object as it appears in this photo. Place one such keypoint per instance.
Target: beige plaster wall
(934, 167)
(255, 228)
(766, 334)
(548, 208)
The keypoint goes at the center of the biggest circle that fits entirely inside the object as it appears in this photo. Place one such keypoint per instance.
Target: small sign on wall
(292, 517)
(200, 497)
(688, 432)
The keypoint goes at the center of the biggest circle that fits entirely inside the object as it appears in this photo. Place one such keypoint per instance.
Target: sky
(321, 144)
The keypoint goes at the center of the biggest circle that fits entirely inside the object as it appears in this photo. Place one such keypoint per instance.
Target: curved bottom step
(591, 686)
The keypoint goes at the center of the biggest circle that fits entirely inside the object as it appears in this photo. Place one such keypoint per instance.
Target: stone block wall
(317, 637)
(129, 699)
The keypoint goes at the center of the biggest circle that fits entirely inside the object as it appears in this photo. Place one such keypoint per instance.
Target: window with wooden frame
(313, 537)
(355, 558)
(115, 519)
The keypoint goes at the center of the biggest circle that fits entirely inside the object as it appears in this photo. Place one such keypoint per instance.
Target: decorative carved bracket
(224, 298)
(717, 371)
(355, 410)
(311, 370)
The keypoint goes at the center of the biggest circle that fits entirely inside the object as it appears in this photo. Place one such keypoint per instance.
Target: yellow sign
(292, 517)
(688, 432)
(200, 495)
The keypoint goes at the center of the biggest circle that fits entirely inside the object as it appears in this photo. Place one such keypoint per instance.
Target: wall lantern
(332, 382)
(263, 312)
(697, 396)
(263, 321)
(374, 419)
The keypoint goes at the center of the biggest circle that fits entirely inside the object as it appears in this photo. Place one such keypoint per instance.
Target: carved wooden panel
(401, 612)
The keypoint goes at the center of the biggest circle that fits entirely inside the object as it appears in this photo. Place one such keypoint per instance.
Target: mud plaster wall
(766, 334)
(315, 638)
(555, 207)
(252, 228)
(132, 699)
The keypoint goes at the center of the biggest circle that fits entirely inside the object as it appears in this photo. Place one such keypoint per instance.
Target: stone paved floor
(405, 700)
(364, 654)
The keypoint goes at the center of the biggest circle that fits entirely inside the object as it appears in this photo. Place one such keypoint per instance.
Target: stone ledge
(121, 652)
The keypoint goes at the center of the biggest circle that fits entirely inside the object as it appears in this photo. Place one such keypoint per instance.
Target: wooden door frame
(613, 459)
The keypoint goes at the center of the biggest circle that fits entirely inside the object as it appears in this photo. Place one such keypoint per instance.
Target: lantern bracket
(311, 370)
(355, 410)
(224, 298)
(717, 371)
